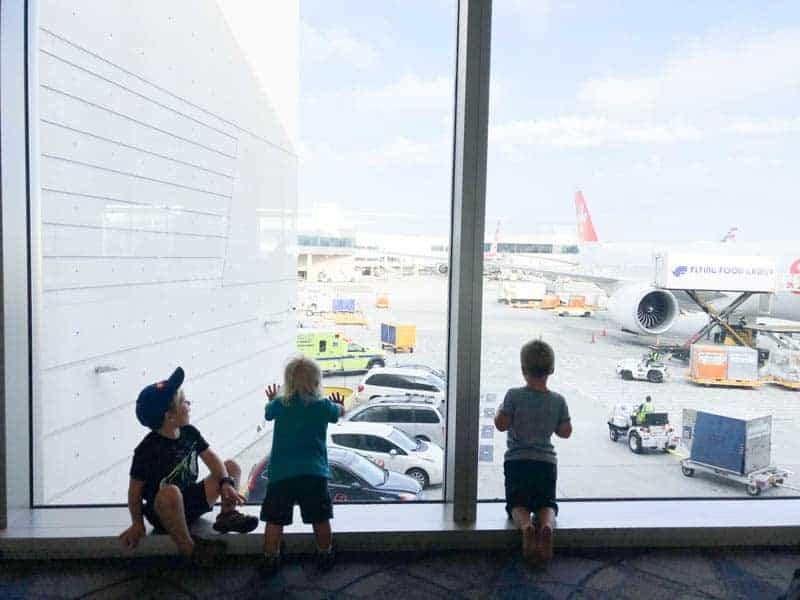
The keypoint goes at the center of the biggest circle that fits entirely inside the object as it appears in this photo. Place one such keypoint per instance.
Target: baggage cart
(755, 482)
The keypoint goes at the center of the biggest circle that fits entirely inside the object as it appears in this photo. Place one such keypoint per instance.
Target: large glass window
(218, 180)
(663, 138)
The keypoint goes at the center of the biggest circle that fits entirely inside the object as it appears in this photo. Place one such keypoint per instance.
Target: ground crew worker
(644, 408)
(653, 356)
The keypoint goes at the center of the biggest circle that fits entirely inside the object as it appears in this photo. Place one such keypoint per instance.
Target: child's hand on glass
(272, 391)
(337, 398)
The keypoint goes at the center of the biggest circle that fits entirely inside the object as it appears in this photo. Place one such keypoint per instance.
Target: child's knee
(168, 498)
(232, 467)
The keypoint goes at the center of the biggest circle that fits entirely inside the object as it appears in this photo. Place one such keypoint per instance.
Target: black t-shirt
(160, 460)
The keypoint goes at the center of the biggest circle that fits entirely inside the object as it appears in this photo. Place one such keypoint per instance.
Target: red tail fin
(586, 232)
(731, 235)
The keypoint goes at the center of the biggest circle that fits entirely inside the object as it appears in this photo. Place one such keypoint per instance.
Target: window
(422, 384)
(680, 155)
(423, 415)
(373, 443)
(401, 415)
(381, 380)
(340, 476)
(375, 414)
(367, 470)
(348, 440)
(185, 188)
(402, 440)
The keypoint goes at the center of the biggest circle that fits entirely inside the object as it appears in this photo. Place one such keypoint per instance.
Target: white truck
(518, 292)
(644, 369)
(653, 433)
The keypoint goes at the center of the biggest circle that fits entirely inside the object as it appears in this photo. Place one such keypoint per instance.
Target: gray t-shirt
(534, 418)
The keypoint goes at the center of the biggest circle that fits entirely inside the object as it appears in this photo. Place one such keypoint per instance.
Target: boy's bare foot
(544, 546)
(529, 549)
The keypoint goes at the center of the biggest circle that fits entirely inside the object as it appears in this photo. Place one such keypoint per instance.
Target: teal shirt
(298, 440)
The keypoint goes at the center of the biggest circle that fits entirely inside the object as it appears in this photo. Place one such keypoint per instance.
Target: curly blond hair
(301, 377)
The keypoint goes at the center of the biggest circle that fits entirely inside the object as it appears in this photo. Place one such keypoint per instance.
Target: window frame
(19, 205)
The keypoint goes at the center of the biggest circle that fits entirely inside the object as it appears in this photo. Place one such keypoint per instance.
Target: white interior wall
(160, 153)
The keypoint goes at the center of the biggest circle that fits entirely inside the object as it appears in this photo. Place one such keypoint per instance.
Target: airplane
(624, 271)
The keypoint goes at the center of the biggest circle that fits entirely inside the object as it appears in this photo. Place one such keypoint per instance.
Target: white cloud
(764, 126)
(410, 92)
(585, 132)
(336, 44)
(706, 77)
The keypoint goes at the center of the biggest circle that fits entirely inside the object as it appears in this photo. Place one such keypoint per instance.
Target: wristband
(227, 479)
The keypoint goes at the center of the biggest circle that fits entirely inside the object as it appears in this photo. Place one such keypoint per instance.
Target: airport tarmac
(590, 464)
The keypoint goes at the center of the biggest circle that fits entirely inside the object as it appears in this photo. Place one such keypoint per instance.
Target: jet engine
(643, 309)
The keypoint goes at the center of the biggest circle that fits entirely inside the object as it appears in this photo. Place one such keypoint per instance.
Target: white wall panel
(92, 119)
(64, 208)
(68, 176)
(131, 322)
(206, 354)
(169, 192)
(223, 403)
(111, 242)
(69, 144)
(71, 79)
(65, 272)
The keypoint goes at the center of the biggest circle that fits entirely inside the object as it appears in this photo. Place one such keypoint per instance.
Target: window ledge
(92, 532)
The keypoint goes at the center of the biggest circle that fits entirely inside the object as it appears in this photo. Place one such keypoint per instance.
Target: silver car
(417, 419)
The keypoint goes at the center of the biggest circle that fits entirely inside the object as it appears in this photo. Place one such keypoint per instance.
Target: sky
(678, 120)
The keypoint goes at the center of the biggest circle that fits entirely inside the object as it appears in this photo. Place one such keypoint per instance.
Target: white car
(390, 448)
(419, 420)
(388, 381)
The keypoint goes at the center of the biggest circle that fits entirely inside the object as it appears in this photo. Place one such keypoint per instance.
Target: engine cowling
(643, 309)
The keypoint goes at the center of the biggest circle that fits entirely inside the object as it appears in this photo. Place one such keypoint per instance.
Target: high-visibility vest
(645, 408)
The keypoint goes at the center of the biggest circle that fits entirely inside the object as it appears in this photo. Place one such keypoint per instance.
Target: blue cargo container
(720, 442)
(344, 305)
(388, 334)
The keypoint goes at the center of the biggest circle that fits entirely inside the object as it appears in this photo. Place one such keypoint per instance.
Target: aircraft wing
(606, 283)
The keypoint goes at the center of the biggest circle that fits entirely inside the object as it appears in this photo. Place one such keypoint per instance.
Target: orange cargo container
(708, 362)
(577, 301)
(382, 301)
(550, 302)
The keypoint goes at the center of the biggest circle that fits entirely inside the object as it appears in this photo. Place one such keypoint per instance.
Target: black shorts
(309, 491)
(195, 505)
(531, 484)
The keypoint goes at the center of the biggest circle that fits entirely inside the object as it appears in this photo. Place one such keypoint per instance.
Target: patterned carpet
(667, 574)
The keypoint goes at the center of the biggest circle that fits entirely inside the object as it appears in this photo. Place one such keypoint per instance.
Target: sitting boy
(164, 476)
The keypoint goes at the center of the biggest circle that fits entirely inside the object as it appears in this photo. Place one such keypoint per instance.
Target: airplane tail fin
(586, 232)
(730, 236)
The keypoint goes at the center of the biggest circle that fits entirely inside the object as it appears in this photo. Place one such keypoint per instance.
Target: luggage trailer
(755, 482)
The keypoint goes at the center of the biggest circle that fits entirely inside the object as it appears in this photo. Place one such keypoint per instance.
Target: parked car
(391, 449)
(353, 479)
(416, 418)
(420, 367)
(388, 381)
